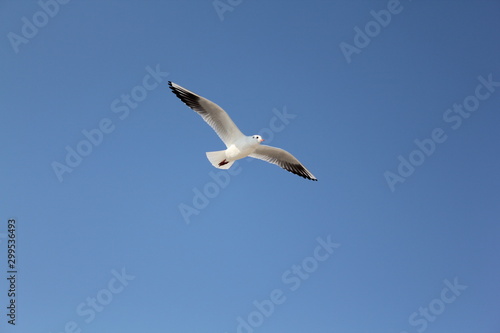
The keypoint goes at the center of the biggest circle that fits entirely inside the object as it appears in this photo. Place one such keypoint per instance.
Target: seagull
(238, 145)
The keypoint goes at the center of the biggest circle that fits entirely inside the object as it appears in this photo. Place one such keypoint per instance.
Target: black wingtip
(299, 170)
(187, 97)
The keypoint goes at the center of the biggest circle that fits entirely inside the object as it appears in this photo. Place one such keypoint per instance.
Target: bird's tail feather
(218, 159)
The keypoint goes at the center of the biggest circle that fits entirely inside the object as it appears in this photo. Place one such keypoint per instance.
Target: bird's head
(258, 138)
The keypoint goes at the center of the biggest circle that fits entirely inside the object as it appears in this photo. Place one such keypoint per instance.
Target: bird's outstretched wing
(283, 159)
(213, 114)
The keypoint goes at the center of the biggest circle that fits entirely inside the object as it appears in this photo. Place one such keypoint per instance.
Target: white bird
(238, 145)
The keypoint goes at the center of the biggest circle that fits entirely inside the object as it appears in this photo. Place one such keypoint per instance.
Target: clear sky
(122, 224)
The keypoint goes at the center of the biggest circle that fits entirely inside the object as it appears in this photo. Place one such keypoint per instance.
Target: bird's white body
(237, 144)
(241, 148)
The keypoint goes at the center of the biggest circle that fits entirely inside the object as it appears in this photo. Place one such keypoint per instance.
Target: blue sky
(393, 106)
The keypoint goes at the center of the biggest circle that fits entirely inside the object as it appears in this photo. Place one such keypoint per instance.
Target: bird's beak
(261, 140)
